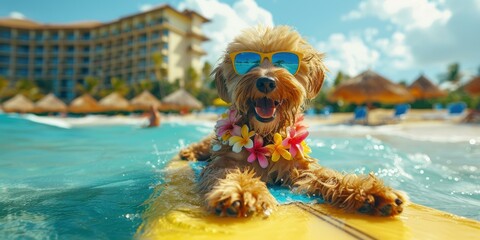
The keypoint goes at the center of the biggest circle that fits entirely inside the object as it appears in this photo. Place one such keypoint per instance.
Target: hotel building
(66, 54)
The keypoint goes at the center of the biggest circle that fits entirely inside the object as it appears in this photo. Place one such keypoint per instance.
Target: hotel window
(39, 49)
(84, 71)
(165, 46)
(22, 60)
(71, 36)
(86, 60)
(53, 71)
(143, 38)
(55, 49)
(5, 33)
(86, 49)
(86, 36)
(155, 35)
(68, 71)
(38, 72)
(54, 60)
(22, 72)
(165, 59)
(4, 71)
(55, 36)
(5, 47)
(23, 49)
(39, 36)
(4, 59)
(70, 49)
(98, 48)
(69, 60)
(165, 32)
(38, 61)
(140, 25)
(24, 36)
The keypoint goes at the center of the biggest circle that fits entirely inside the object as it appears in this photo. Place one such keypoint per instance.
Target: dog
(269, 74)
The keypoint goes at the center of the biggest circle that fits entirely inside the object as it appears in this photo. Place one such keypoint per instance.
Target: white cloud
(17, 15)
(146, 7)
(395, 48)
(226, 21)
(407, 14)
(349, 54)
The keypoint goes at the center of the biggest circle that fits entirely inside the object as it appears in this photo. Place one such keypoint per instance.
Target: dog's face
(268, 95)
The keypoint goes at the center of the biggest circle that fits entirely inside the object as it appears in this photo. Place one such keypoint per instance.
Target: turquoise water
(90, 182)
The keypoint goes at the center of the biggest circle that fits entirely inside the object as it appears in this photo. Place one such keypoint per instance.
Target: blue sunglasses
(246, 60)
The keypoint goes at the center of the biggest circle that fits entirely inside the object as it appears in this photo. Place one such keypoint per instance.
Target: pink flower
(226, 126)
(258, 152)
(294, 141)
(300, 125)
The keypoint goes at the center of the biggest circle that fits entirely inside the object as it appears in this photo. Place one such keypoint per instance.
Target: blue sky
(397, 38)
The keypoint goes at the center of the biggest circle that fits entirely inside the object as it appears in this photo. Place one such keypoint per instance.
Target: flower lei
(292, 146)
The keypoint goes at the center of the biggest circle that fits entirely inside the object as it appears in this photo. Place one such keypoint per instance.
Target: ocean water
(91, 182)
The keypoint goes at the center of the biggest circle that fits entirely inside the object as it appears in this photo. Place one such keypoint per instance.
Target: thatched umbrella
(84, 104)
(422, 88)
(50, 103)
(144, 101)
(114, 102)
(18, 103)
(369, 87)
(182, 100)
(473, 86)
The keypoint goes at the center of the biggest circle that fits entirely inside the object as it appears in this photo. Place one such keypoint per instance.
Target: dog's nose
(266, 84)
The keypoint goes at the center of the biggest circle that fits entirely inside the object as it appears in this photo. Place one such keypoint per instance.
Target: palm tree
(120, 86)
(3, 84)
(90, 86)
(142, 86)
(28, 88)
(159, 71)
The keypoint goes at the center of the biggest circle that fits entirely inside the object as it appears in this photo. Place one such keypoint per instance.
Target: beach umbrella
(369, 87)
(473, 86)
(144, 100)
(182, 100)
(50, 103)
(114, 102)
(423, 88)
(84, 104)
(18, 103)
(220, 103)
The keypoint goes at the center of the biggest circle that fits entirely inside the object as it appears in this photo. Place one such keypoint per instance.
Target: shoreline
(418, 124)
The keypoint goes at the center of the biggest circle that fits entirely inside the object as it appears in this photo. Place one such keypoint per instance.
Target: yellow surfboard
(174, 212)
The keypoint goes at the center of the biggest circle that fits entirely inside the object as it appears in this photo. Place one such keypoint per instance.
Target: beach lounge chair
(401, 111)
(360, 115)
(399, 114)
(456, 108)
(326, 111)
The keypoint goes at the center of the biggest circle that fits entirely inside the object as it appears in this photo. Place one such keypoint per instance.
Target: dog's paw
(385, 203)
(240, 194)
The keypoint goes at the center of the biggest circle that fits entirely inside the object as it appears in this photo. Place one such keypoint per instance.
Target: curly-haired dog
(269, 74)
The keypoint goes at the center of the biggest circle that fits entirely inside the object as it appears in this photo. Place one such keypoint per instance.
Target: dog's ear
(316, 74)
(220, 84)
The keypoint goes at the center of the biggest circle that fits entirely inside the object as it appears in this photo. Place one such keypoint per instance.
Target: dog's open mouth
(265, 109)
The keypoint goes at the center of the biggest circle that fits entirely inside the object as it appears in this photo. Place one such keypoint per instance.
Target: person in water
(154, 117)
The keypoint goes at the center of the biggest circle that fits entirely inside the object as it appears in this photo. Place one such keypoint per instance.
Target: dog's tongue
(265, 107)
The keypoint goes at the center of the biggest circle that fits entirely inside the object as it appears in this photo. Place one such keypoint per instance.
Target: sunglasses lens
(245, 61)
(289, 61)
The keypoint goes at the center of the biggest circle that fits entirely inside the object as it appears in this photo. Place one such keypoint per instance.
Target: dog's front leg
(199, 151)
(234, 191)
(364, 194)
